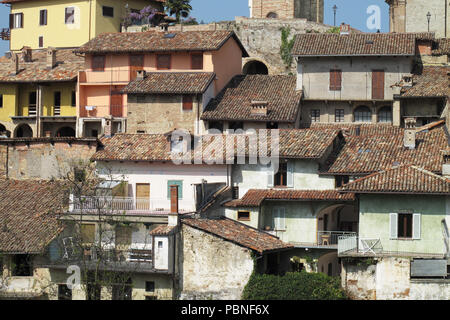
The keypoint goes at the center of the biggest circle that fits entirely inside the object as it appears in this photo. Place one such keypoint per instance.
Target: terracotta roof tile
(239, 233)
(431, 81)
(163, 230)
(255, 197)
(157, 41)
(234, 102)
(402, 179)
(68, 65)
(357, 44)
(28, 214)
(171, 83)
(442, 47)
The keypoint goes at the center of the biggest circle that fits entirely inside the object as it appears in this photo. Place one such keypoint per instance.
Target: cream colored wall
(9, 92)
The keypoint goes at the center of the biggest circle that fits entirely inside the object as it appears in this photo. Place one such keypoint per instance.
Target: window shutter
(11, 21)
(394, 225)
(416, 226)
(21, 20)
(269, 172)
(378, 84)
(282, 218)
(338, 79)
(197, 61)
(187, 103)
(163, 61)
(290, 174)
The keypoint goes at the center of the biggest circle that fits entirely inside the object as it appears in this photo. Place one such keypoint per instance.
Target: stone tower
(311, 10)
(411, 16)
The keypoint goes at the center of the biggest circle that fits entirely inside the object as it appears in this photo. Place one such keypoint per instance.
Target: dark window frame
(339, 115)
(41, 41)
(43, 17)
(63, 292)
(246, 216)
(280, 178)
(315, 115)
(107, 14)
(150, 286)
(12, 20)
(96, 64)
(160, 66)
(73, 102)
(1, 100)
(23, 266)
(197, 64)
(405, 225)
(187, 103)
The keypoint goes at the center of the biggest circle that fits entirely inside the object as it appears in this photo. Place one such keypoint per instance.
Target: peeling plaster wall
(390, 279)
(212, 268)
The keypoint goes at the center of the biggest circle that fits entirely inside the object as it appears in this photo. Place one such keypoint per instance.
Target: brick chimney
(27, 54)
(15, 60)
(446, 165)
(51, 58)
(173, 216)
(140, 75)
(410, 133)
(259, 108)
(108, 126)
(344, 29)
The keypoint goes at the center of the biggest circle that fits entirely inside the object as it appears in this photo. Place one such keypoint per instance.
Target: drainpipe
(90, 17)
(446, 18)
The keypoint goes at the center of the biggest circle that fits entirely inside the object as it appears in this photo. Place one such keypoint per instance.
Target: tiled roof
(293, 143)
(157, 41)
(365, 129)
(171, 83)
(163, 230)
(366, 154)
(255, 197)
(442, 47)
(239, 233)
(68, 65)
(234, 102)
(28, 214)
(431, 81)
(402, 179)
(357, 44)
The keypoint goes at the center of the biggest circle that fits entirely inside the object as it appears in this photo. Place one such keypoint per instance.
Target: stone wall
(212, 268)
(311, 10)
(42, 158)
(389, 279)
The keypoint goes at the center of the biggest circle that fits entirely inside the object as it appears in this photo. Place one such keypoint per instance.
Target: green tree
(179, 8)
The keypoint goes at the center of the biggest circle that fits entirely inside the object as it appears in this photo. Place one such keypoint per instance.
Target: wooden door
(142, 196)
(136, 64)
(116, 104)
(378, 84)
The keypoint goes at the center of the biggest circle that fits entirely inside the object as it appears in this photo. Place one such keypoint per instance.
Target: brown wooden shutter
(335, 79)
(378, 84)
(197, 61)
(136, 64)
(98, 63)
(163, 61)
(41, 42)
(187, 103)
(11, 21)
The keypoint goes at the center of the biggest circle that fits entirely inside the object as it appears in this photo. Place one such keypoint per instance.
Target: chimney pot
(141, 74)
(259, 108)
(27, 54)
(51, 58)
(410, 133)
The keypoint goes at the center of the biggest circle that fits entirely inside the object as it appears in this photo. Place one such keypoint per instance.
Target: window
(136, 64)
(281, 176)
(32, 101)
(43, 17)
(73, 101)
(149, 286)
(216, 125)
(335, 80)
(64, 293)
(378, 84)
(187, 103)
(363, 114)
(385, 114)
(163, 61)
(1, 101)
(140, 131)
(98, 63)
(339, 115)
(16, 20)
(341, 180)
(272, 15)
(70, 15)
(405, 225)
(197, 61)
(160, 244)
(315, 115)
(108, 11)
(236, 125)
(41, 42)
(179, 183)
(87, 233)
(57, 103)
(22, 266)
(243, 216)
(279, 219)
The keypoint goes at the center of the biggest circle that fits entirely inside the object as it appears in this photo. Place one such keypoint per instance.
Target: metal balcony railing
(101, 111)
(330, 238)
(5, 34)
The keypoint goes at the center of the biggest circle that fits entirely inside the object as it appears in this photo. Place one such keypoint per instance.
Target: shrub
(293, 286)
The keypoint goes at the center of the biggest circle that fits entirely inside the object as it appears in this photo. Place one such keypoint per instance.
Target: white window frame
(18, 23)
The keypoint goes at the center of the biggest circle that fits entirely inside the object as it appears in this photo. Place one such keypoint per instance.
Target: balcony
(5, 34)
(330, 238)
(106, 77)
(102, 111)
(127, 205)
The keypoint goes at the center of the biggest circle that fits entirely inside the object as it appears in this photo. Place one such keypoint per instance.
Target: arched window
(272, 15)
(385, 114)
(66, 132)
(362, 114)
(255, 67)
(24, 131)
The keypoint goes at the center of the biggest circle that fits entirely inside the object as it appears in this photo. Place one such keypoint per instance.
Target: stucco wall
(212, 268)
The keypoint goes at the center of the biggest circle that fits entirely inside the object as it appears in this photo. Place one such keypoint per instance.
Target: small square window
(108, 11)
(98, 63)
(163, 61)
(243, 216)
(197, 61)
(22, 266)
(187, 103)
(339, 115)
(160, 244)
(16, 20)
(149, 286)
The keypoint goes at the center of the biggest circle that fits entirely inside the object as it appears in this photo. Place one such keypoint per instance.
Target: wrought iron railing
(5, 34)
(330, 238)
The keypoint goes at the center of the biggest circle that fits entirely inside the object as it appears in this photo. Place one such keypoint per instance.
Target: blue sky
(349, 11)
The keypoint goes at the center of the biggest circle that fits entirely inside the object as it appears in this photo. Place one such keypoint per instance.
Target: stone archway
(334, 221)
(255, 67)
(23, 131)
(272, 15)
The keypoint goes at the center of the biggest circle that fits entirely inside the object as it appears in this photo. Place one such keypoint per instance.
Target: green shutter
(179, 183)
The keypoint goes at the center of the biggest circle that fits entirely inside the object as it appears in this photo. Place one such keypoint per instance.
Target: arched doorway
(255, 67)
(66, 132)
(335, 221)
(23, 131)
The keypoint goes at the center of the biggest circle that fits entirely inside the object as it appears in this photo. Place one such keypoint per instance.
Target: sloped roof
(366, 154)
(357, 44)
(442, 47)
(157, 41)
(171, 83)
(68, 65)
(234, 102)
(28, 214)
(163, 230)
(431, 81)
(407, 179)
(238, 233)
(255, 197)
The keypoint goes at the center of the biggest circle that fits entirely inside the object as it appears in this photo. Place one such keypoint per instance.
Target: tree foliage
(179, 8)
(293, 286)
(286, 46)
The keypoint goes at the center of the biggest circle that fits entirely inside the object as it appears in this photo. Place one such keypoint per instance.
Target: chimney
(140, 75)
(15, 59)
(259, 108)
(27, 54)
(410, 133)
(108, 126)
(51, 58)
(173, 216)
(344, 29)
(446, 165)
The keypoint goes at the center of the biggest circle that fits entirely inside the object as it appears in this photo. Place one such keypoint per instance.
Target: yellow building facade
(67, 23)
